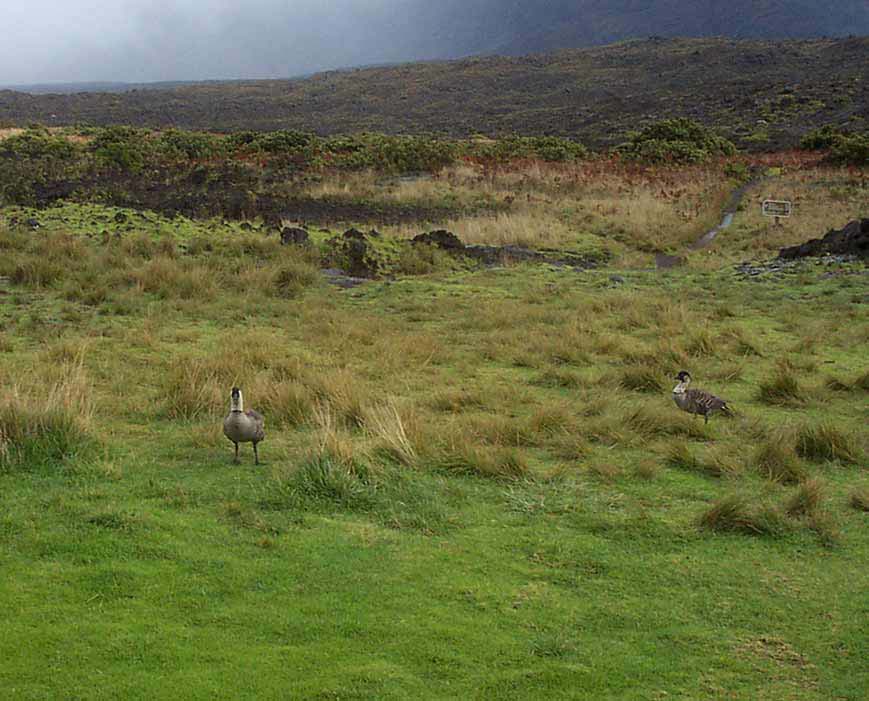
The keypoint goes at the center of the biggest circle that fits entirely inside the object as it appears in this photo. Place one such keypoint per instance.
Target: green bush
(511, 148)
(820, 139)
(38, 143)
(125, 148)
(188, 145)
(676, 141)
(851, 150)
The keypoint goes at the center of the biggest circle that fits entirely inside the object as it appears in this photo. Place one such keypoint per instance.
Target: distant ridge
(763, 94)
(523, 26)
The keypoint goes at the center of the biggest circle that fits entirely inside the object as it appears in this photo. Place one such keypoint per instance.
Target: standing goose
(697, 401)
(242, 426)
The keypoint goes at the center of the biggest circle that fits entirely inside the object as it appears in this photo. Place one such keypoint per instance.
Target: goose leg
(236, 453)
(255, 455)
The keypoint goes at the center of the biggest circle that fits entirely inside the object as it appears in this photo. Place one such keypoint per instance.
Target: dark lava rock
(339, 278)
(665, 262)
(853, 240)
(120, 218)
(354, 253)
(442, 239)
(294, 235)
(498, 255)
(245, 226)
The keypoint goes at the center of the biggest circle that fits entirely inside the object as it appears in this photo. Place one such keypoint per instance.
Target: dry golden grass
(49, 421)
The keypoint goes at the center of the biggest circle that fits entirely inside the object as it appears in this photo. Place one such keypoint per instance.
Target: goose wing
(255, 415)
(706, 402)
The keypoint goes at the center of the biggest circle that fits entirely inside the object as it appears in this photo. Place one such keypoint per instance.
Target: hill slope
(512, 27)
(760, 93)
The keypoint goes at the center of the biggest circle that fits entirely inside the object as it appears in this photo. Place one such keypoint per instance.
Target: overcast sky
(149, 40)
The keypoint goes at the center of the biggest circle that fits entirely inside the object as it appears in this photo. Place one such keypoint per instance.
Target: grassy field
(475, 483)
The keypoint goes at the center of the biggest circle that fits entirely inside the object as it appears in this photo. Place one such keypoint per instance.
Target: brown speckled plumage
(698, 401)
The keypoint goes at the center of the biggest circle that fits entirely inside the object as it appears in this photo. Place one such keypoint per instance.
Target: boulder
(294, 235)
(852, 240)
(442, 239)
(354, 253)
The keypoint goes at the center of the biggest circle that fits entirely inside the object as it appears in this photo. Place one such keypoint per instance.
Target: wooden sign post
(777, 209)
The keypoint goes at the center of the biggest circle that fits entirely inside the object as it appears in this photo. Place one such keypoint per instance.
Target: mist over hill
(57, 43)
(511, 27)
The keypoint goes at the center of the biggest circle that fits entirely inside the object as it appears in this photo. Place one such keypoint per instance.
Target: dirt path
(728, 214)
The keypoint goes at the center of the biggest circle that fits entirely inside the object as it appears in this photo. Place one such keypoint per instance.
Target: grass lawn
(475, 483)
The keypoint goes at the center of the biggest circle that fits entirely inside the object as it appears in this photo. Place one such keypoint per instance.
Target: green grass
(475, 483)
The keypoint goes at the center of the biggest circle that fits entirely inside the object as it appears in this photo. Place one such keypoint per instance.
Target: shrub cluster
(678, 140)
(845, 148)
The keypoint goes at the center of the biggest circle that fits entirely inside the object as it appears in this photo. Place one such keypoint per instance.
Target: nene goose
(697, 401)
(242, 426)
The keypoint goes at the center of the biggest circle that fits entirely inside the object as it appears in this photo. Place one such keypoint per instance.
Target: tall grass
(737, 514)
(783, 387)
(38, 431)
(825, 441)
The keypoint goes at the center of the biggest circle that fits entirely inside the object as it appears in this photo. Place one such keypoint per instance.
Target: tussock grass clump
(36, 272)
(324, 478)
(605, 471)
(679, 455)
(334, 472)
(859, 498)
(718, 465)
(553, 419)
(647, 470)
(642, 378)
(836, 384)
(389, 427)
(484, 461)
(289, 403)
(862, 382)
(649, 421)
(701, 342)
(456, 400)
(776, 460)
(822, 442)
(191, 389)
(38, 431)
(736, 514)
(806, 500)
(783, 388)
(291, 278)
(558, 377)
(742, 342)
(345, 393)
(168, 278)
(499, 430)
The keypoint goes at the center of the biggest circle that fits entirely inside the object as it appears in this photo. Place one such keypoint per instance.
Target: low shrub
(677, 140)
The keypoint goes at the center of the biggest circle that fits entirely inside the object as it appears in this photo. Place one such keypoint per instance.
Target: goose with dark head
(242, 426)
(697, 401)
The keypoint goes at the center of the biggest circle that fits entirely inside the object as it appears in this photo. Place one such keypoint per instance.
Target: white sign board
(777, 208)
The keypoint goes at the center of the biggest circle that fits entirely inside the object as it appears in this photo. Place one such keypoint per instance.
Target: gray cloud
(147, 40)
